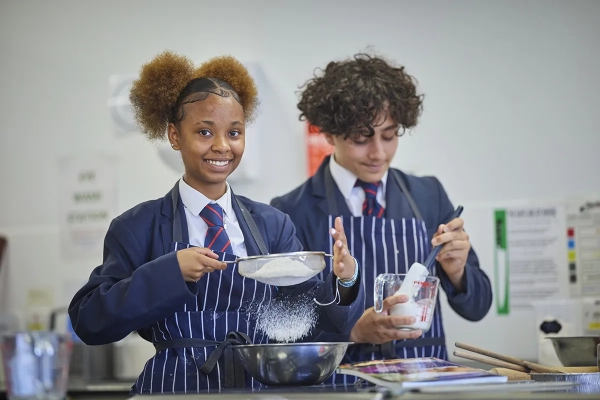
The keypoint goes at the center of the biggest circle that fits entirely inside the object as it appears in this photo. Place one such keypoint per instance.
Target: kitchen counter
(78, 385)
(119, 392)
(100, 390)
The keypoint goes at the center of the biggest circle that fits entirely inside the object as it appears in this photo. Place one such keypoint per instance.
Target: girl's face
(211, 139)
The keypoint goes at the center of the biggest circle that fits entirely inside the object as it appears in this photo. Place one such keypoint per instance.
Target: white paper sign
(87, 205)
(529, 255)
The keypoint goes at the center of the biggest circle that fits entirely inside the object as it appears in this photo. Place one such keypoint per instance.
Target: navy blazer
(308, 208)
(140, 282)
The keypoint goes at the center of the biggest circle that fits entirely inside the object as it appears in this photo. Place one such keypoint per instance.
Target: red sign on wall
(317, 148)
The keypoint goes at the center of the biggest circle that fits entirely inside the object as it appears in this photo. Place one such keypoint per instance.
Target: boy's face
(367, 157)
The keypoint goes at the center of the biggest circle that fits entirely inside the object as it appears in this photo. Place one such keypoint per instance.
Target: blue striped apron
(193, 353)
(382, 246)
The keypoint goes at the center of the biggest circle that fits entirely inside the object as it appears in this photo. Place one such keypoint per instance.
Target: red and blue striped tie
(216, 237)
(370, 206)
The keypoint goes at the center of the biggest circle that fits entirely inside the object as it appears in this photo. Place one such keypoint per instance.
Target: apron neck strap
(402, 184)
(398, 179)
(330, 192)
(177, 231)
(249, 220)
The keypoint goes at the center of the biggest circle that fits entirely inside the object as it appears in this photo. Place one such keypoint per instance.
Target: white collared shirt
(355, 196)
(194, 202)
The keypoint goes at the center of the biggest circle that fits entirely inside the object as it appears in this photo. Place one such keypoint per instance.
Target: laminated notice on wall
(87, 205)
(528, 255)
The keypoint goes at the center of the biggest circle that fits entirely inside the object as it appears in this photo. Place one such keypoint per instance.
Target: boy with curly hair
(363, 105)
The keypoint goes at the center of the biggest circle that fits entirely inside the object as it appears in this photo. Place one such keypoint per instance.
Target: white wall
(512, 91)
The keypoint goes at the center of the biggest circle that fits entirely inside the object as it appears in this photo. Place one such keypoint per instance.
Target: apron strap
(235, 375)
(177, 232)
(252, 226)
(400, 182)
(330, 192)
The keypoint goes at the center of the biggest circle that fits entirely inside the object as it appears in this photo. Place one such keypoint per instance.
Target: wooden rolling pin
(511, 374)
(508, 362)
(490, 361)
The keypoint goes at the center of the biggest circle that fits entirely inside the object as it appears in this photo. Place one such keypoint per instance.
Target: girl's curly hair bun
(157, 89)
(230, 70)
(155, 95)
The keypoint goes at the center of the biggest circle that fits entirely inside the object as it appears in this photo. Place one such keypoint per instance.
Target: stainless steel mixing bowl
(576, 351)
(291, 364)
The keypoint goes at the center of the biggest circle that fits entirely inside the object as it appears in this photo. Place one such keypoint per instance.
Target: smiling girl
(162, 274)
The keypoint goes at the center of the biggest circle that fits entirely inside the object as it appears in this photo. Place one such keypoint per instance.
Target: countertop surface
(511, 390)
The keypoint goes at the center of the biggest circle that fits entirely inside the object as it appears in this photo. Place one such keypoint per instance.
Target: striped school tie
(370, 206)
(216, 237)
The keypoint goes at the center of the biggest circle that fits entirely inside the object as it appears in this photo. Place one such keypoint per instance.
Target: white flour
(286, 318)
(283, 267)
(420, 310)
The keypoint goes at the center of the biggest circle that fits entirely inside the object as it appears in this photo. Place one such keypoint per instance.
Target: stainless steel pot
(576, 351)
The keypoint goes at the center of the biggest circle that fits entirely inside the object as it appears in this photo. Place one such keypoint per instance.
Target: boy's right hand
(194, 262)
(378, 328)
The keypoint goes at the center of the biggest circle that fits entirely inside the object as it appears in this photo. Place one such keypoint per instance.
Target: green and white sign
(529, 256)
(501, 270)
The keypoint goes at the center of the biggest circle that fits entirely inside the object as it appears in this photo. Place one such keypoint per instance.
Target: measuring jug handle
(378, 292)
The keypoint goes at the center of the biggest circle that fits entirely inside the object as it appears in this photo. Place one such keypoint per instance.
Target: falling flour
(283, 267)
(287, 318)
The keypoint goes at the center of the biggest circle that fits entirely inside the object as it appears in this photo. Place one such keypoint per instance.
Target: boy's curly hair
(352, 96)
(170, 81)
